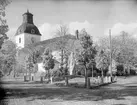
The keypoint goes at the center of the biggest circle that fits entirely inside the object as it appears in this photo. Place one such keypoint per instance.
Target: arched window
(32, 31)
(19, 40)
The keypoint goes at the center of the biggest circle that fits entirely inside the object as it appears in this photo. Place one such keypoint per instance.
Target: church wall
(20, 40)
(25, 39)
(30, 38)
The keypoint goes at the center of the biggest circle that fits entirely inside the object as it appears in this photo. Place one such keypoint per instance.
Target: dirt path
(124, 92)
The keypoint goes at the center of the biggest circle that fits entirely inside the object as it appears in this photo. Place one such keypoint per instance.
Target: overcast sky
(96, 16)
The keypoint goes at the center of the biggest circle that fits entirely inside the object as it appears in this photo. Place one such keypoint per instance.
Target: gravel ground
(123, 92)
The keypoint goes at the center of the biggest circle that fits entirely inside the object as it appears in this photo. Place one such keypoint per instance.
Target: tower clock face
(32, 31)
(32, 40)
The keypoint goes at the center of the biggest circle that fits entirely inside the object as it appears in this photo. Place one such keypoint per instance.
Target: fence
(106, 79)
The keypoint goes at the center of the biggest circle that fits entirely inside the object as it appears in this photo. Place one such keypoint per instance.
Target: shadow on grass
(22, 82)
(64, 93)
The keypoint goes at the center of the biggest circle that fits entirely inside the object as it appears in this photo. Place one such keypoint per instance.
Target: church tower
(27, 33)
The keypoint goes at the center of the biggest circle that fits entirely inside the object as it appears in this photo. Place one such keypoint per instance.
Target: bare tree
(126, 52)
(62, 31)
(102, 62)
(123, 49)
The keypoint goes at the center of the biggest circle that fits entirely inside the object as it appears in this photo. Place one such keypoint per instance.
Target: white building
(27, 33)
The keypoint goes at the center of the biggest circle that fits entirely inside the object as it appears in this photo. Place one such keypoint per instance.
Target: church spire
(27, 10)
(28, 17)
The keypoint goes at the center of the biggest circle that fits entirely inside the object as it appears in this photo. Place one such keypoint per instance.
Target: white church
(28, 34)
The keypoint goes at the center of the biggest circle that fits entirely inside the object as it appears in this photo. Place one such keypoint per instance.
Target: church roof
(70, 42)
(55, 39)
(27, 28)
(50, 43)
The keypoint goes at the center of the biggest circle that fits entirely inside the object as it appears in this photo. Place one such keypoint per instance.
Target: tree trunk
(41, 79)
(48, 76)
(30, 77)
(102, 73)
(88, 82)
(66, 80)
(102, 76)
(62, 58)
(29, 74)
(14, 71)
(128, 70)
(66, 76)
(24, 78)
(92, 71)
(124, 69)
(86, 78)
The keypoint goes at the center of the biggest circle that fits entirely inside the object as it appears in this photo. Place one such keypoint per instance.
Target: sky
(96, 16)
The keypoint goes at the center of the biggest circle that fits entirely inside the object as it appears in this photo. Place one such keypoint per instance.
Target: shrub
(132, 72)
